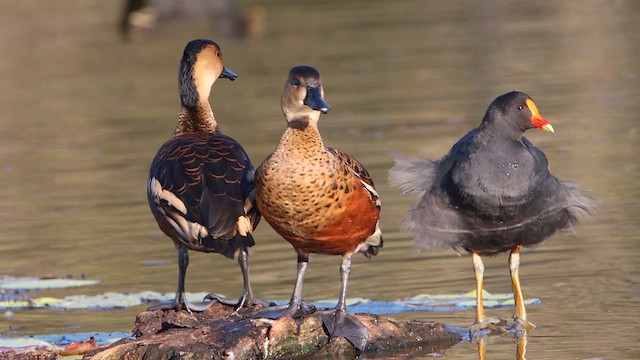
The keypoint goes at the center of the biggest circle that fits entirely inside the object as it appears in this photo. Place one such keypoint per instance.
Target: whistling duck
(492, 193)
(319, 199)
(227, 19)
(200, 186)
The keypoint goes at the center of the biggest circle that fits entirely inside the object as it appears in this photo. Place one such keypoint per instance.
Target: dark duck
(200, 186)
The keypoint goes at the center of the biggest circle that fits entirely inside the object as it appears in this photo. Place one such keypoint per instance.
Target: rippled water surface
(83, 113)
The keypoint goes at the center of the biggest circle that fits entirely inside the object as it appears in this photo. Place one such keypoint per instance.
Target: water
(83, 113)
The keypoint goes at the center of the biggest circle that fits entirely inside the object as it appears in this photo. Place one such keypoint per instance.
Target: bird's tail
(413, 175)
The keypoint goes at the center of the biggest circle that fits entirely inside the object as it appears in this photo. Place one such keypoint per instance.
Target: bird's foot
(181, 303)
(488, 326)
(521, 326)
(291, 310)
(339, 323)
(244, 301)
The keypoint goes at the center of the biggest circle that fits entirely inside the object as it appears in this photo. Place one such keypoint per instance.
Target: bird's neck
(196, 119)
(301, 138)
(492, 130)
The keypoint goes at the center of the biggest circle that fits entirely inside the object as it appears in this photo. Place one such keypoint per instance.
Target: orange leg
(478, 267)
(521, 347)
(521, 313)
(482, 348)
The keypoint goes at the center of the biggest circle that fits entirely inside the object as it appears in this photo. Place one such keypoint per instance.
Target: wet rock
(220, 333)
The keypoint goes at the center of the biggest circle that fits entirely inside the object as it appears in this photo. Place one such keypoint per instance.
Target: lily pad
(34, 283)
(55, 342)
(418, 303)
(110, 300)
(424, 303)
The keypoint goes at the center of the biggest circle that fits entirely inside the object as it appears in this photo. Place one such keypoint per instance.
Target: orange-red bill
(536, 119)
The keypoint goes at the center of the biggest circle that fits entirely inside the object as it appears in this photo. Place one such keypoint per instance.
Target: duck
(491, 193)
(200, 184)
(319, 199)
(139, 18)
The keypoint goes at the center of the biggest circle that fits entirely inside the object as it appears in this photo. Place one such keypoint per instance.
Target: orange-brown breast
(315, 202)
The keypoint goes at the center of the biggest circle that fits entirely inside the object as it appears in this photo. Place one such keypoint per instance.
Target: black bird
(200, 186)
(492, 193)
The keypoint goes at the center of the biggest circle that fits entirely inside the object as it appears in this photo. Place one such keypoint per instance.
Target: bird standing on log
(319, 199)
(200, 185)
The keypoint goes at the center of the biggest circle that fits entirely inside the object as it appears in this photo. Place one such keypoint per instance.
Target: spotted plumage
(319, 199)
(200, 185)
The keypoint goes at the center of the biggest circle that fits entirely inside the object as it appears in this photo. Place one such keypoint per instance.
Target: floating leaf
(60, 341)
(33, 283)
(422, 302)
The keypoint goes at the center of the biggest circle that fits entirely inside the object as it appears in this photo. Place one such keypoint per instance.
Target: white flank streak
(370, 189)
(373, 191)
(244, 225)
(247, 205)
(161, 194)
(186, 229)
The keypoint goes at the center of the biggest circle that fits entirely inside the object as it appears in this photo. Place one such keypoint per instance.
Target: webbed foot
(181, 303)
(276, 312)
(243, 302)
(340, 324)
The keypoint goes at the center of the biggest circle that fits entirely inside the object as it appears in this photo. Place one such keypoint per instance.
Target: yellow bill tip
(548, 127)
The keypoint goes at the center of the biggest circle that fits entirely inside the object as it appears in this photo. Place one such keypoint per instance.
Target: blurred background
(88, 92)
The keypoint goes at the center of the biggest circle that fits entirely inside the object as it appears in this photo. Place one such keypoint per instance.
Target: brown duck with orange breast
(200, 186)
(319, 199)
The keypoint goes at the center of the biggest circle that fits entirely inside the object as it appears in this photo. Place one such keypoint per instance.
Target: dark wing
(375, 241)
(353, 164)
(208, 182)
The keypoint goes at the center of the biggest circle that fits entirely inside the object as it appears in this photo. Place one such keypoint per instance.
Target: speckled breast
(316, 204)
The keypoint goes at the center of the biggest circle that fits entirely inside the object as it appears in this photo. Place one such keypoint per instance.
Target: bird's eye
(219, 54)
(520, 107)
(295, 82)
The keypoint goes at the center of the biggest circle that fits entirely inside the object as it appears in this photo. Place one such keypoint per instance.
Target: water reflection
(521, 347)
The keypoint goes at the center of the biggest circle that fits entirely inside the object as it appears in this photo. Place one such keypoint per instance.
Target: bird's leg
(337, 322)
(247, 298)
(296, 307)
(481, 319)
(521, 313)
(482, 348)
(478, 267)
(180, 302)
(521, 349)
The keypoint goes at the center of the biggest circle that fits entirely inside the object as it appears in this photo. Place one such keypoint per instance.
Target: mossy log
(221, 333)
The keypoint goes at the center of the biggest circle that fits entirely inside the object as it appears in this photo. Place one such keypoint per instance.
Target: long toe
(489, 326)
(181, 303)
(222, 299)
(177, 304)
(522, 326)
(199, 307)
(250, 301)
(339, 324)
(166, 306)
